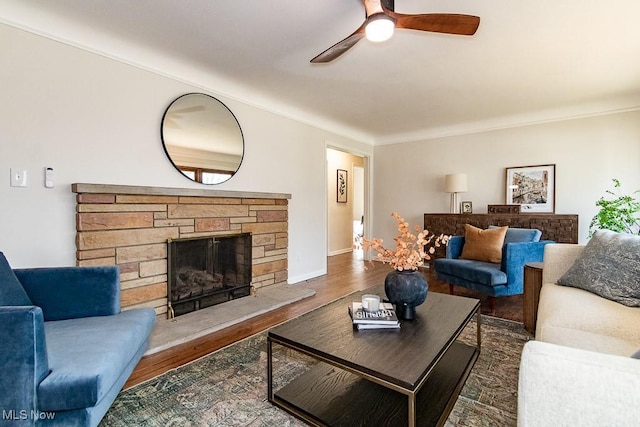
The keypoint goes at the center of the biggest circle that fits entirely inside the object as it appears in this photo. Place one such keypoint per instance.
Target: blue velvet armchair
(67, 348)
(493, 279)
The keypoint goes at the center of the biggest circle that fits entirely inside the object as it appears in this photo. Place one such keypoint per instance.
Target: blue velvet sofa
(505, 278)
(67, 348)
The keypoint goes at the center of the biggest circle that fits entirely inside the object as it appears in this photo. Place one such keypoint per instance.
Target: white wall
(97, 120)
(358, 192)
(588, 153)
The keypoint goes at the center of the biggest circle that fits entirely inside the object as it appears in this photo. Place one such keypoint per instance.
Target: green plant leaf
(621, 214)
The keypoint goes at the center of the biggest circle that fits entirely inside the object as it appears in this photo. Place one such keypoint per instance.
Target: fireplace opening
(206, 271)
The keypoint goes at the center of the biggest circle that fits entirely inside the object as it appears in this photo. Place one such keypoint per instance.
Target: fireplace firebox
(206, 271)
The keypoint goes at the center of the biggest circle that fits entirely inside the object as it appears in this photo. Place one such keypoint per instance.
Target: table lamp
(454, 184)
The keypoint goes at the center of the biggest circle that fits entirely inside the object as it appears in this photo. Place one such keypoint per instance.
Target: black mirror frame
(164, 145)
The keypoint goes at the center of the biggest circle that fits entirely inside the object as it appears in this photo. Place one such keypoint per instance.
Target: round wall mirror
(202, 138)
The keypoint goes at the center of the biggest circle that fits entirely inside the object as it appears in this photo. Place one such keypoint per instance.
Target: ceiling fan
(381, 20)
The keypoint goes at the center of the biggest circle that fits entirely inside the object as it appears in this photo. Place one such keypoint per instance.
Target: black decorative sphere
(406, 290)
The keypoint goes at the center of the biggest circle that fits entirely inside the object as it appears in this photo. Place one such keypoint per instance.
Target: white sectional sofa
(578, 371)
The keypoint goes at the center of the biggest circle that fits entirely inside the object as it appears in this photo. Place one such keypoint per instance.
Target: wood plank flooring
(345, 274)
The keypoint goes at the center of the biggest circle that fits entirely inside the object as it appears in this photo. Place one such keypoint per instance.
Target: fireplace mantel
(171, 191)
(129, 226)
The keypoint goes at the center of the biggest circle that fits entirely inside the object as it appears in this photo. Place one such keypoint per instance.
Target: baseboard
(307, 276)
(341, 251)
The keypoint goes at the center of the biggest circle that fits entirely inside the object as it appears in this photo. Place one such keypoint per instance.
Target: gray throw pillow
(636, 355)
(609, 266)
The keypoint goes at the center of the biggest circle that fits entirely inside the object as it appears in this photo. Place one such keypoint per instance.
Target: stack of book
(385, 318)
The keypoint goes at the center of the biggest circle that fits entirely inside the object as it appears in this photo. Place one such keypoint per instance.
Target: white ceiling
(530, 61)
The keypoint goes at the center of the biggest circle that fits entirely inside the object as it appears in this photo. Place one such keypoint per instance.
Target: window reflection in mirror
(202, 138)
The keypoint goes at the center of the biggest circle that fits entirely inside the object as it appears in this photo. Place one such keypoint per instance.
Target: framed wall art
(467, 208)
(532, 187)
(341, 186)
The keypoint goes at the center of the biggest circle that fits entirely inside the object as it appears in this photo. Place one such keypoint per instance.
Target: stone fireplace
(131, 226)
(205, 271)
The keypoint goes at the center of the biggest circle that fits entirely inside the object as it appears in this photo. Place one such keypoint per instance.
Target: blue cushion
(23, 357)
(11, 290)
(71, 292)
(486, 273)
(87, 356)
(519, 235)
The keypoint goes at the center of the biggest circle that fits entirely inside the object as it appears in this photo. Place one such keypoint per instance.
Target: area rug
(229, 387)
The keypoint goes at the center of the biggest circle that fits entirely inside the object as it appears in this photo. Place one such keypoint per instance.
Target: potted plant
(620, 214)
(406, 287)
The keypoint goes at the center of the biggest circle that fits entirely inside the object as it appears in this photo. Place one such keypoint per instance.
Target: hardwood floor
(345, 274)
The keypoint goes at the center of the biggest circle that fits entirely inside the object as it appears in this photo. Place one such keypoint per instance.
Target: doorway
(358, 207)
(347, 201)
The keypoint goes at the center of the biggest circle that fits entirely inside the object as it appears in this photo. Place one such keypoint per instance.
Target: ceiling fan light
(379, 27)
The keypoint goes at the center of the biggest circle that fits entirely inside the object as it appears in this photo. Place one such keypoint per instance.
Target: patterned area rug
(229, 387)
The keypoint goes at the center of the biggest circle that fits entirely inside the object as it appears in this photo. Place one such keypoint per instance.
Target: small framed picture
(503, 209)
(467, 208)
(341, 186)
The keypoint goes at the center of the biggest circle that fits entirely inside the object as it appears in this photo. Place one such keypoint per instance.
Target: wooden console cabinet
(559, 228)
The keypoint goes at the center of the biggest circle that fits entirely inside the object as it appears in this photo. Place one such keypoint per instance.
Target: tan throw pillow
(483, 245)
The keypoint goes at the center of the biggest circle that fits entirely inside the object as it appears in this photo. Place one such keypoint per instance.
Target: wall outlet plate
(18, 177)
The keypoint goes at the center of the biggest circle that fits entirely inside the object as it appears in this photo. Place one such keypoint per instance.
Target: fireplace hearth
(206, 271)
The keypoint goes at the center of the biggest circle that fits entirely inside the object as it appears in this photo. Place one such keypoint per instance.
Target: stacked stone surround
(129, 226)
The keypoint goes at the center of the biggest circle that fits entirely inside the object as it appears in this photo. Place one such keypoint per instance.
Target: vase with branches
(405, 286)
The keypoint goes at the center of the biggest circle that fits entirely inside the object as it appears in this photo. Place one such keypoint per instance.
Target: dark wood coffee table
(409, 376)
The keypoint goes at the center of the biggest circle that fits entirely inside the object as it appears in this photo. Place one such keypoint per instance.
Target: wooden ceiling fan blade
(339, 48)
(449, 23)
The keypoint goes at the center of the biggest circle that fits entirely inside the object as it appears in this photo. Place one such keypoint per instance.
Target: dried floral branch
(411, 249)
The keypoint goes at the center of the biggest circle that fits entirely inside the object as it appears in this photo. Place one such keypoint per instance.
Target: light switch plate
(49, 181)
(18, 177)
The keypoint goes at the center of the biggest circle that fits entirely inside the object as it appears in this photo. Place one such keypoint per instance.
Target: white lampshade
(379, 27)
(455, 183)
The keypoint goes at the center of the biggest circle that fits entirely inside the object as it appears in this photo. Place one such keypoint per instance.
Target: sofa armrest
(564, 386)
(73, 292)
(558, 258)
(516, 255)
(23, 357)
(454, 247)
